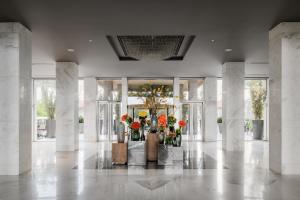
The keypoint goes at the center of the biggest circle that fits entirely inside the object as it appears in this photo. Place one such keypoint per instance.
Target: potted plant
(178, 137)
(135, 133)
(81, 124)
(258, 98)
(127, 120)
(142, 118)
(171, 123)
(162, 123)
(220, 124)
(49, 103)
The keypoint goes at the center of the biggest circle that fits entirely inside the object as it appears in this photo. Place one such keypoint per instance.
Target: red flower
(135, 125)
(124, 117)
(182, 123)
(162, 120)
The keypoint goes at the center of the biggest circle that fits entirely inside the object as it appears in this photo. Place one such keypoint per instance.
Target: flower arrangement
(170, 138)
(135, 125)
(127, 119)
(142, 118)
(171, 121)
(181, 124)
(162, 122)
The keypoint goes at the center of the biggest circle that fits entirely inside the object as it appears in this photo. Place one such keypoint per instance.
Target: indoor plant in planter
(81, 124)
(171, 123)
(220, 124)
(142, 118)
(178, 137)
(135, 131)
(162, 123)
(258, 97)
(127, 120)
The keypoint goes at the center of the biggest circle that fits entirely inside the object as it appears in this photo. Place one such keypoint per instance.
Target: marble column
(284, 98)
(15, 100)
(67, 136)
(176, 97)
(90, 109)
(210, 110)
(124, 95)
(233, 106)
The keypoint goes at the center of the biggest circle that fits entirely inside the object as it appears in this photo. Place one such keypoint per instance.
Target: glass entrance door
(108, 116)
(192, 113)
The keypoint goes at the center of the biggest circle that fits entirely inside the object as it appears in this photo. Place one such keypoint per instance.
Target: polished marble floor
(208, 173)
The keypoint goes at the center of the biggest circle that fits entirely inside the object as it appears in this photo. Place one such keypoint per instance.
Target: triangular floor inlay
(152, 184)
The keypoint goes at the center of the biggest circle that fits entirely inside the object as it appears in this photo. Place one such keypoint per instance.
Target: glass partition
(109, 94)
(44, 97)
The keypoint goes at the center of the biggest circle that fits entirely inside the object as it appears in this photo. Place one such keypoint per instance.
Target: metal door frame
(110, 118)
(190, 136)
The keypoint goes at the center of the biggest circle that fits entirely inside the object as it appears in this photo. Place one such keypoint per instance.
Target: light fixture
(70, 50)
(228, 50)
(90, 41)
(212, 41)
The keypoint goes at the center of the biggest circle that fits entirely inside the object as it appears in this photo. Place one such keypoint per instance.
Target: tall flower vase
(135, 135)
(177, 141)
(154, 123)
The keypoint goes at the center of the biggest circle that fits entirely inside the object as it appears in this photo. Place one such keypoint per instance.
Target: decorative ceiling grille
(150, 47)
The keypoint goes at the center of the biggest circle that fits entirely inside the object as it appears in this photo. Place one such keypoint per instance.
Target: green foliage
(219, 120)
(258, 98)
(178, 131)
(41, 109)
(48, 99)
(81, 119)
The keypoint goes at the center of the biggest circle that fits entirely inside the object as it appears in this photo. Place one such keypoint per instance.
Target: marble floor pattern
(211, 174)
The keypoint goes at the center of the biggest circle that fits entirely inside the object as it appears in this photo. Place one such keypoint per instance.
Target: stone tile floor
(209, 174)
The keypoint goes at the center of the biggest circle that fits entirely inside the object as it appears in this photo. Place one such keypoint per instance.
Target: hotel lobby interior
(149, 100)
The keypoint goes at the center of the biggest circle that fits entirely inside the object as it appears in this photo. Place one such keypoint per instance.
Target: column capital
(13, 27)
(284, 29)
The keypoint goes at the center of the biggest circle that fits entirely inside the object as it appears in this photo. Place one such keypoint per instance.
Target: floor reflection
(192, 159)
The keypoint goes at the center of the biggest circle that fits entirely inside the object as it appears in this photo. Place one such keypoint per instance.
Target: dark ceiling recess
(150, 47)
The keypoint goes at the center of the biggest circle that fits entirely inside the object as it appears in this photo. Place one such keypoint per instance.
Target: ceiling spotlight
(70, 50)
(228, 50)
(212, 41)
(90, 40)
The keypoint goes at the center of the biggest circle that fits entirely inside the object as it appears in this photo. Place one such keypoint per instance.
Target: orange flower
(162, 120)
(182, 123)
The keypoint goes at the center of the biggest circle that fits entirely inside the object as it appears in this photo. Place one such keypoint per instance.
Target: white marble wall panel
(233, 106)
(210, 110)
(15, 101)
(67, 138)
(285, 98)
(124, 95)
(90, 109)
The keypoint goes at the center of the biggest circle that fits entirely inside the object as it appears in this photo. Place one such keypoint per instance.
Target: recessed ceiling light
(90, 40)
(212, 41)
(70, 50)
(228, 50)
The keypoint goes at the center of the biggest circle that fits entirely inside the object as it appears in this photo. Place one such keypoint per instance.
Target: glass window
(44, 109)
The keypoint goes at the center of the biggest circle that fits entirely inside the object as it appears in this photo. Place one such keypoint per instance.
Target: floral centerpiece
(178, 137)
(135, 133)
(162, 123)
(142, 117)
(171, 122)
(154, 96)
